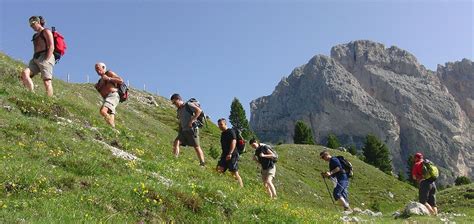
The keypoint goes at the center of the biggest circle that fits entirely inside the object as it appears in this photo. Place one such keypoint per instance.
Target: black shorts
(427, 192)
(232, 165)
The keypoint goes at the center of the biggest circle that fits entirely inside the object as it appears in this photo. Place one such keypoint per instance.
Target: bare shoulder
(47, 32)
(111, 74)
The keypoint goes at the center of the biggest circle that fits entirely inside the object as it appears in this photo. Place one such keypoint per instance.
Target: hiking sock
(344, 203)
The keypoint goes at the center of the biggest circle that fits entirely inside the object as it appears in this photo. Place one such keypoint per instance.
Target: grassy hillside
(57, 167)
(458, 199)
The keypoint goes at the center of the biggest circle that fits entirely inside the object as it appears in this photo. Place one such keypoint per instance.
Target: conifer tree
(401, 177)
(333, 143)
(303, 134)
(377, 154)
(352, 149)
(410, 163)
(239, 120)
(462, 180)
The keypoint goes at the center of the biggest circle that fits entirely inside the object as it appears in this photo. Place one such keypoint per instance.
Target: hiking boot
(202, 164)
(348, 209)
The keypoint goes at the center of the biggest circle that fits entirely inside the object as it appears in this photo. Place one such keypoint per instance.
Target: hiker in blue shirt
(337, 173)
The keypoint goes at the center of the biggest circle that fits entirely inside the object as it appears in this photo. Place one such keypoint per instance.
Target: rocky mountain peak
(458, 77)
(365, 88)
(365, 52)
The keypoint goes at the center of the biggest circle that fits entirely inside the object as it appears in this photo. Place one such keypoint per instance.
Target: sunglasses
(33, 23)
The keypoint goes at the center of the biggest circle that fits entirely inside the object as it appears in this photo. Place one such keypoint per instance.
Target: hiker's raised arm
(270, 153)
(267, 154)
(113, 77)
(331, 172)
(335, 170)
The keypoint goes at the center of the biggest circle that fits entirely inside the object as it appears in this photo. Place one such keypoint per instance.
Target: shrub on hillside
(401, 177)
(462, 180)
(333, 143)
(213, 152)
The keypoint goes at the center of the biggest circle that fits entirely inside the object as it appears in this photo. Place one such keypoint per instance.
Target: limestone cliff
(366, 88)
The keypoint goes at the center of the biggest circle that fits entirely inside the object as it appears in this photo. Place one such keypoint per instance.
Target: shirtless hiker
(43, 58)
(107, 87)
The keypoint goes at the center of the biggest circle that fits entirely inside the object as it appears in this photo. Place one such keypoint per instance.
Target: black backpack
(123, 92)
(201, 120)
(346, 165)
(275, 154)
(240, 145)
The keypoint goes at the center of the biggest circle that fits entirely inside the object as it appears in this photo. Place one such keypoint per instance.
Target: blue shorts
(232, 165)
(341, 190)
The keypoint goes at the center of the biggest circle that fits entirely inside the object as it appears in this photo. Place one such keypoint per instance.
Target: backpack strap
(342, 162)
(188, 108)
(115, 84)
(265, 146)
(105, 73)
(236, 132)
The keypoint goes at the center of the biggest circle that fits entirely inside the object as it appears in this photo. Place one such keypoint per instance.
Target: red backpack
(59, 44)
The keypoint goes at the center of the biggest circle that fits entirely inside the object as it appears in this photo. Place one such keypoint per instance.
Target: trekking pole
(327, 187)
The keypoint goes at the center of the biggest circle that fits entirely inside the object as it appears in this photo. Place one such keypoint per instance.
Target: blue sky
(216, 50)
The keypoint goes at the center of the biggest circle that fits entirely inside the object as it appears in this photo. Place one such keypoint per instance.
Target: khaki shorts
(111, 102)
(39, 65)
(269, 173)
(188, 138)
